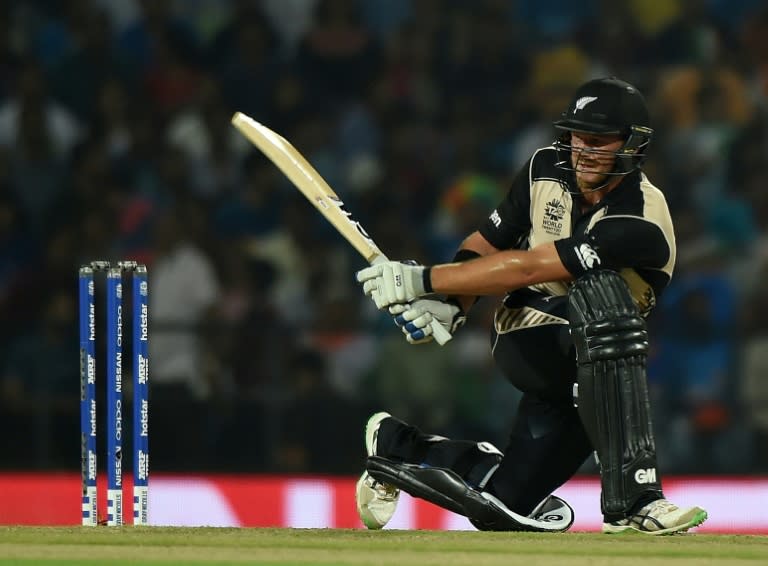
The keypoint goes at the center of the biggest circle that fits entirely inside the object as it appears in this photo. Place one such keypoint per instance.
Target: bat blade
(305, 178)
(288, 159)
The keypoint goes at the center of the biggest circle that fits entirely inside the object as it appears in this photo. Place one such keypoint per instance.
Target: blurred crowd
(116, 143)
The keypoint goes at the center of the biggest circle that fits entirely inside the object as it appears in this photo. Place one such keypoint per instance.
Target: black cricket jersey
(630, 230)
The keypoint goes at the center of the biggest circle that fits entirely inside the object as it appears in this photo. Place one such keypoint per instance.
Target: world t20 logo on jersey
(554, 211)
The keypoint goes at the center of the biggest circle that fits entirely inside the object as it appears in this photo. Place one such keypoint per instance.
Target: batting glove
(393, 282)
(415, 319)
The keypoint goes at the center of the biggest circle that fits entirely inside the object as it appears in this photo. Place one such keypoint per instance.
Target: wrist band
(426, 278)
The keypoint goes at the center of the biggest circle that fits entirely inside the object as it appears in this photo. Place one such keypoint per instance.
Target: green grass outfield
(207, 546)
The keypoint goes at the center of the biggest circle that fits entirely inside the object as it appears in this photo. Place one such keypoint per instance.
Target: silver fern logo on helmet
(582, 102)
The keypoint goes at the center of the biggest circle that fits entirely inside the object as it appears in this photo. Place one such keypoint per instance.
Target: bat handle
(439, 332)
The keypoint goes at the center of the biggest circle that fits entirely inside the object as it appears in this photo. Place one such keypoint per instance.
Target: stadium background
(115, 143)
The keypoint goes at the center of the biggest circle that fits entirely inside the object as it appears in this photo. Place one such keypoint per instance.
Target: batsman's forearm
(497, 273)
(489, 275)
(475, 245)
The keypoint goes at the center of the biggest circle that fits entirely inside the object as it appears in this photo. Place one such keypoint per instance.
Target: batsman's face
(593, 157)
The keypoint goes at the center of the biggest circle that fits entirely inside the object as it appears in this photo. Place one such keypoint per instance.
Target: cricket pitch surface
(207, 546)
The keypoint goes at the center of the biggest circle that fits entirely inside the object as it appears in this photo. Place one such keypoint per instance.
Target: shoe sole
(369, 523)
(372, 431)
(695, 521)
(371, 438)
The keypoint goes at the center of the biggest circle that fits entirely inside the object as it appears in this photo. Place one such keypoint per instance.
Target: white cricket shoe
(376, 501)
(659, 517)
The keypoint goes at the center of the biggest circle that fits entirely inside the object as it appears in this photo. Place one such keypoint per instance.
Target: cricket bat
(305, 178)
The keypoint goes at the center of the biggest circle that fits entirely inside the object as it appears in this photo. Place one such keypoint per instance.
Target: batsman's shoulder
(543, 164)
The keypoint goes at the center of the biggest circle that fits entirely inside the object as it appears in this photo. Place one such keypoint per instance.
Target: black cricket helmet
(607, 106)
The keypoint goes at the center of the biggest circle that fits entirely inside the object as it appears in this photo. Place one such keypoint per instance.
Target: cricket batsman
(581, 247)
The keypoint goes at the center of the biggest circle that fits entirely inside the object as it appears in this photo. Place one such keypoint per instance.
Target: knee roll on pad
(611, 344)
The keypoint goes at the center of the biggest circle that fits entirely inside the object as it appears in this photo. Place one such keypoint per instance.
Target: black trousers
(547, 443)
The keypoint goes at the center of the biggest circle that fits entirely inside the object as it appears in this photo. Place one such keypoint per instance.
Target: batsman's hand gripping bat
(313, 186)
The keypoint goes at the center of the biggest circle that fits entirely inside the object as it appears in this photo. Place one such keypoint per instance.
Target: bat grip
(441, 335)
(439, 332)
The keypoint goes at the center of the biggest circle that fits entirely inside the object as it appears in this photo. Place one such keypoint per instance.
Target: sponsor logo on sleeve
(495, 218)
(587, 256)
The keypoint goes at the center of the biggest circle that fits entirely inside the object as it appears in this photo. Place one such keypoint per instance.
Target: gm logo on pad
(643, 476)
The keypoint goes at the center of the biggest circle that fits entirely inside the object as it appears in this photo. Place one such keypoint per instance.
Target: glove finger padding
(413, 338)
(398, 308)
(421, 324)
(369, 287)
(369, 273)
(416, 314)
(394, 283)
(377, 299)
(417, 322)
(404, 315)
(386, 291)
(416, 336)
